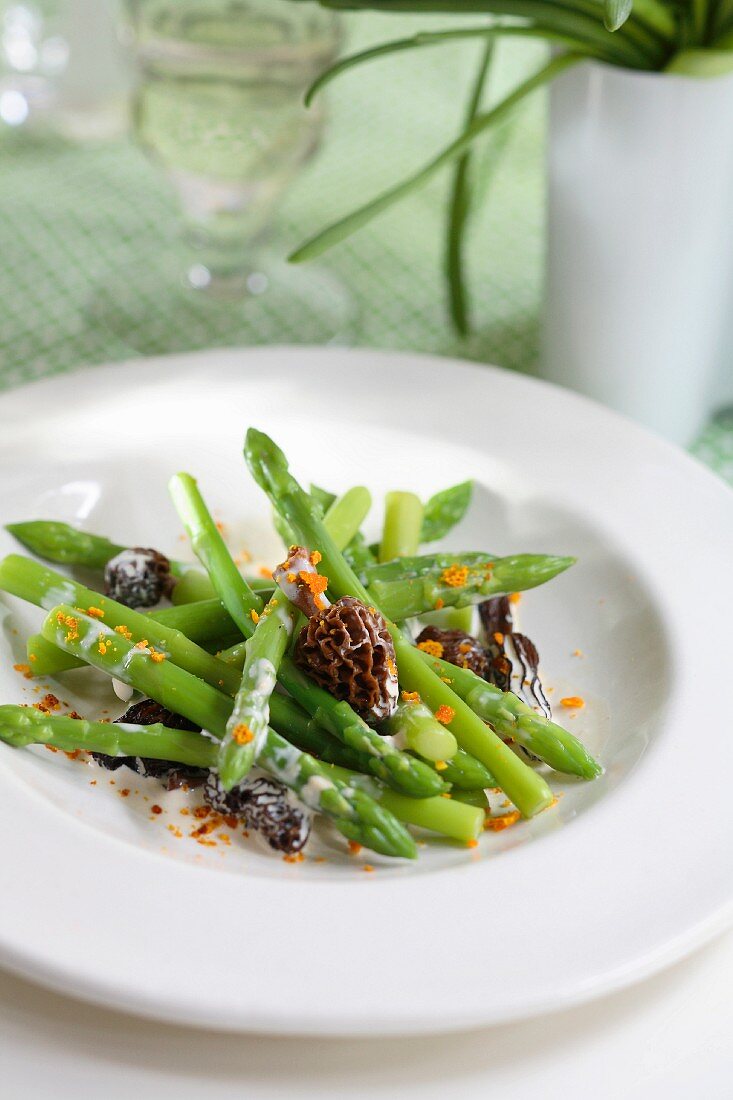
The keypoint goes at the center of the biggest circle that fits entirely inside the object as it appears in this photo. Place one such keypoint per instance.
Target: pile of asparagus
(371, 785)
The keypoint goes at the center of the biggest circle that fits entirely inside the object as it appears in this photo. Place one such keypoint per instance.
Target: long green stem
(512, 718)
(269, 467)
(403, 513)
(356, 815)
(248, 723)
(66, 545)
(21, 726)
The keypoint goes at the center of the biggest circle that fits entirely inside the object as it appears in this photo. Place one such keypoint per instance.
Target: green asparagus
(444, 510)
(355, 814)
(416, 725)
(248, 723)
(403, 515)
(527, 790)
(512, 718)
(26, 726)
(67, 545)
(395, 767)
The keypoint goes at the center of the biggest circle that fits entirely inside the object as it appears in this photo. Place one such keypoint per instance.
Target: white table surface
(670, 1037)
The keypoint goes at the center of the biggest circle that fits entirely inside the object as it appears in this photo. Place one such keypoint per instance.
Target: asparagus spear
(527, 790)
(395, 767)
(416, 725)
(247, 726)
(67, 545)
(512, 718)
(403, 515)
(355, 814)
(461, 584)
(20, 726)
(26, 726)
(34, 582)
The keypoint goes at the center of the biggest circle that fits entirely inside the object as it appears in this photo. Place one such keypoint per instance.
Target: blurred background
(157, 166)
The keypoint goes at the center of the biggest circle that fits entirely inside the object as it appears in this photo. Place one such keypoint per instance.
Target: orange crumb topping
(445, 714)
(156, 656)
(472, 844)
(123, 630)
(291, 578)
(391, 666)
(316, 557)
(142, 644)
(254, 616)
(433, 648)
(95, 612)
(503, 821)
(515, 597)
(242, 734)
(575, 701)
(411, 696)
(455, 576)
(72, 623)
(314, 581)
(354, 847)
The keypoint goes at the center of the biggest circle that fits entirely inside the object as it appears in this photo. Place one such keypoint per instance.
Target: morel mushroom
(264, 805)
(348, 650)
(456, 647)
(138, 577)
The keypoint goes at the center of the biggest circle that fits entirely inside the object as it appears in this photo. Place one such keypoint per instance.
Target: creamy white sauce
(122, 691)
(311, 792)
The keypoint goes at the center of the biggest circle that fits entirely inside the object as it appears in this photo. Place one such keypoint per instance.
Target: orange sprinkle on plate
(573, 701)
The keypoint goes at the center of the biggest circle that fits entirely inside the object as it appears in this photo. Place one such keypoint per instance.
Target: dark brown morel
(347, 649)
(138, 577)
(263, 805)
(456, 647)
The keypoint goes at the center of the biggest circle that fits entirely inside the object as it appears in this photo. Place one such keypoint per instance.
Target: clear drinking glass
(219, 108)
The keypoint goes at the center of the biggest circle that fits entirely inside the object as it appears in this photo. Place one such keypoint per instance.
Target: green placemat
(74, 221)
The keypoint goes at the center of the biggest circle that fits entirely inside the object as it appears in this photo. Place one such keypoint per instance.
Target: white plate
(620, 878)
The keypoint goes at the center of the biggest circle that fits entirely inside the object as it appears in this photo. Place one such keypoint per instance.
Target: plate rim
(695, 936)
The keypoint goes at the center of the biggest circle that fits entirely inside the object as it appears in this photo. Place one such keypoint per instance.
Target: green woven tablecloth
(75, 219)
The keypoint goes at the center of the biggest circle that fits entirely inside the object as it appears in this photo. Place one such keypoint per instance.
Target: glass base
(173, 303)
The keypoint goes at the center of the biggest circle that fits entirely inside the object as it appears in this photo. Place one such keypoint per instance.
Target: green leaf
(616, 12)
(459, 207)
(343, 228)
(444, 510)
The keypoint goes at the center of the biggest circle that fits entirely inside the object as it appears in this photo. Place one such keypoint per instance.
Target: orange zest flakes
(368, 868)
(515, 597)
(433, 648)
(291, 578)
(440, 765)
(502, 821)
(174, 829)
(316, 557)
(124, 793)
(242, 734)
(445, 714)
(354, 847)
(243, 557)
(254, 616)
(314, 581)
(156, 809)
(577, 653)
(411, 696)
(156, 656)
(265, 573)
(472, 844)
(573, 701)
(498, 637)
(102, 645)
(439, 604)
(298, 857)
(455, 576)
(391, 666)
(142, 644)
(25, 670)
(464, 647)
(48, 703)
(71, 623)
(123, 630)
(95, 612)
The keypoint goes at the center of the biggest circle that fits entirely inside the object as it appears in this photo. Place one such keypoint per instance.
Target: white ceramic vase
(639, 298)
